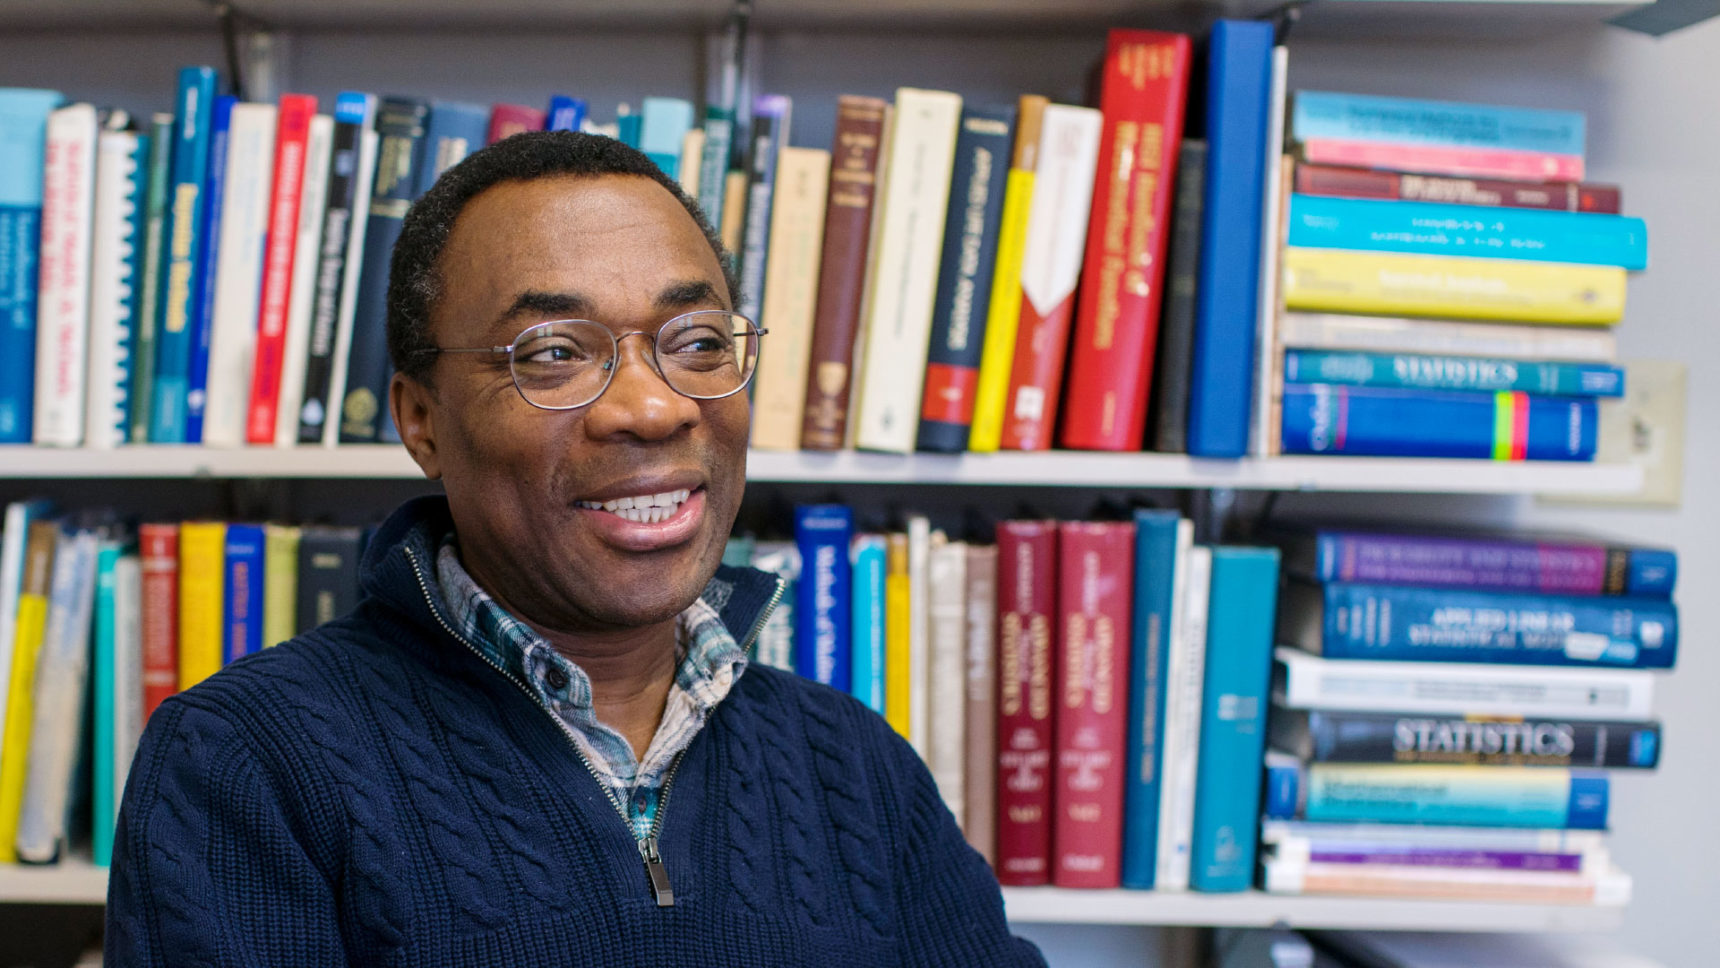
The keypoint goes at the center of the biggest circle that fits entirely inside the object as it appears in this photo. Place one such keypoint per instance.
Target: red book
(158, 548)
(1096, 578)
(1495, 192)
(292, 130)
(511, 119)
(1144, 85)
(1026, 652)
(1444, 160)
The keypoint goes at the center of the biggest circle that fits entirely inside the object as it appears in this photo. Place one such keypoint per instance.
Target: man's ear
(413, 405)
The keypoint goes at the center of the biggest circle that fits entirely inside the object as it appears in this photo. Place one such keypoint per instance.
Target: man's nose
(639, 402)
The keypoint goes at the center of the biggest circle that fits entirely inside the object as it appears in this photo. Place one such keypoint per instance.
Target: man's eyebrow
(688, 295)
(551, 305)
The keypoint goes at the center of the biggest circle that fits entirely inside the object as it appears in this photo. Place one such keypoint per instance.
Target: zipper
(764, 615)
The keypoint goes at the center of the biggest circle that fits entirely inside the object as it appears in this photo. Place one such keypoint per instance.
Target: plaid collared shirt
(710, 662)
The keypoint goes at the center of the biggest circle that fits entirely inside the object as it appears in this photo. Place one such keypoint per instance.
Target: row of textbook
(1269, 273)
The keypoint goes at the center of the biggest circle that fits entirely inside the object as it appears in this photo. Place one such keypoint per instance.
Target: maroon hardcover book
(1026, 655)
(1398, 186)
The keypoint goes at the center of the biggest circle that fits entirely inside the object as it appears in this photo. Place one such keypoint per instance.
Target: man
(538, 740)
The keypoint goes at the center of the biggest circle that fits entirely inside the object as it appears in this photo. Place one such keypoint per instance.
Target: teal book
(117, 685)
(181, 281)
(1158, 535)
(664, 124)
(23, 151)
(146, 317)
(1408, 371)
(867, 639)
(1233, 718)
(1556, 798)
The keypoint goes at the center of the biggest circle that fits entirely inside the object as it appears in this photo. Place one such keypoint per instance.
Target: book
(1321, 418)
(280, 583)
(1003, 314)
(239, 270)
(1345, 620)
(867, 638)
(1530, 562)
(1480, 796)
(1490, 192)
(1510, 290)
(1423, 949)
(307, 265)
(27, 641)
(946, 671)
(822, 607)
(1305, 681)
(1162, 539)
(790, 296)
(902, 283)
(148, 277)
(158, 549)
(1095, 567)
(1143, 87)
(1410, 371)
(1334, 736)
(242, 591)
(692, 156)
(1442, 160)
(565, 114)
(454, 130)
(1233, 717)
(1026, 660)
(13, 539)
(202, 597)
(116, 689)
(1428, 337)
(979, 761)
(1434, 228)
(1300, 838)
(774, 646)
(400, 152)
(921, 540)
(63, 299)
(1407, 121)
(506, 120)
(898, 678)
(1274, 219)
(23, 153)
(771, 119)
(664, 123)
(965, 272)
(182, 269)
(1182, 282)
(842, 269)
(1185, 678)
(1604, 888)
(628, 125)
(280, 252)
(1050, 271)
(328, 574)
(116, 249)
(201, 320)
(1222, 365)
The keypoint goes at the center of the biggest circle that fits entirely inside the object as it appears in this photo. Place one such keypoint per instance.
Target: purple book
(1523, 563)
(1503, 860)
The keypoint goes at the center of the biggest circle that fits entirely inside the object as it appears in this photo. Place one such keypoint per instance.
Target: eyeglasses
(568, 363)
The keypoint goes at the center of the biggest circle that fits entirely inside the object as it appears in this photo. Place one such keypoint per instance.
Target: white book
(1608, 887)
(908, 245)
(63, 293)
(1390, 334)
(115, 248)
(313, 204)
(946, 616)
(239, 273)
(1305, 681)
(790, 296)
(367, 147)
(1185, 671)
(1294, 833)
(1263, 431)
(920, 538)
(775, 645)
(14, 536)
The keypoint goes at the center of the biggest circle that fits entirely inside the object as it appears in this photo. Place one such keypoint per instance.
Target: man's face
(526, 486)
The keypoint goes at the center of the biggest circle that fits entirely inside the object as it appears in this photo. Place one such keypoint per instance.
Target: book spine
(946, 671)
(1410, 371)
(1530, 565)
(822, 609)
(921, 540)
(1265, 414)
(1096, 580)
(1405, 121)
(202, 317)
(158, 546)
(1432, 337)
(182, 269)
(790, 296)
(24, 114)
(400, 127)
(63, 300)
(307, 265)
(1324, 419)
(1448, 625)
(126, 698)
(243, 587)
(292, 137)
(13, 538)
(965, 274)
(1457, 795)
(328, 574)
(1159, 537)
(507, 120)
(842, 269)
(453, 131)
(867, 640)
(1602, 888)
(122, 158)
(1050, 271)
(769, 135)
(148, 278)
(280, 583)
(1003, 314)
(1222, 366)
(898, 681)
(104, 734)
(664, 124)
(21, 684)
(1185, 677)
(1427, 228)
(1439, 160)
(202, 596)
(1026, 660)
(567, 114)
(370, 147)
(1182, 282)
(979, 777)
(1352, 737)
(240, 272)
(1144, 83)
(714, 164)
(1489, 192)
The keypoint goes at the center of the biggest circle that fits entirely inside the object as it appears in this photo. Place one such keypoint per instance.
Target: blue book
(1428, 228)
(1550, 564)
(202, 321)
(1221, 381)
(628, 127)
(1408, 371)
(972, 227)
(823, 616)
(564, 114)
(1233, 718)
(1320, 418)
(1158, 535)
(1403, 623)
(867, 642)
(1281, 793)
(769, 134)
(666, 121)
(1405, 121)
(242, 617)
(23, 150)
(1463, 796)
(455, 130)
(182, 269)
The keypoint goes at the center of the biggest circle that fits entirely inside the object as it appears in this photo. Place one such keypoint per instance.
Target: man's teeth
(643, 509)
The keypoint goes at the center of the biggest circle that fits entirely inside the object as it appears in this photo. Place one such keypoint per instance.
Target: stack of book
(1490, 273)
(1448, 707)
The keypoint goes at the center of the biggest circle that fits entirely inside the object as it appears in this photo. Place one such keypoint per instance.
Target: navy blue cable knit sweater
(374, 792)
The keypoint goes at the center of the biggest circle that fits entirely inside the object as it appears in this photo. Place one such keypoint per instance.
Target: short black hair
(413, 282)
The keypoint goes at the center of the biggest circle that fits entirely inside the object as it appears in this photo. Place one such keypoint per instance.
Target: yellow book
(1390, 283)
(280, 583)
(790, 296)
(202, 561)
(21, 684)
(897, 677)
(1003, 315)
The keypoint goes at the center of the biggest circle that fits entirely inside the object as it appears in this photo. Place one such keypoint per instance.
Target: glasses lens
(563, 364)
(708, 354)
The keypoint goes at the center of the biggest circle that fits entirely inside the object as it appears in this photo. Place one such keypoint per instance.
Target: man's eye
(697, 341)
(552, 351)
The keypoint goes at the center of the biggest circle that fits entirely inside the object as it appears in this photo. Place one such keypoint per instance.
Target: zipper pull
(658, 874)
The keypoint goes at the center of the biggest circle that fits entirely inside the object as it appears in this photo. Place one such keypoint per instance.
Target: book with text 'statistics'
(1404, 186)
(1466, 287)
(822, 610)
(23, 145)
(182, 268)
(1334, 736)
(1162, 540)
(1321, 418)
(1144, 83)
(1026, 643)
(1414, 371)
